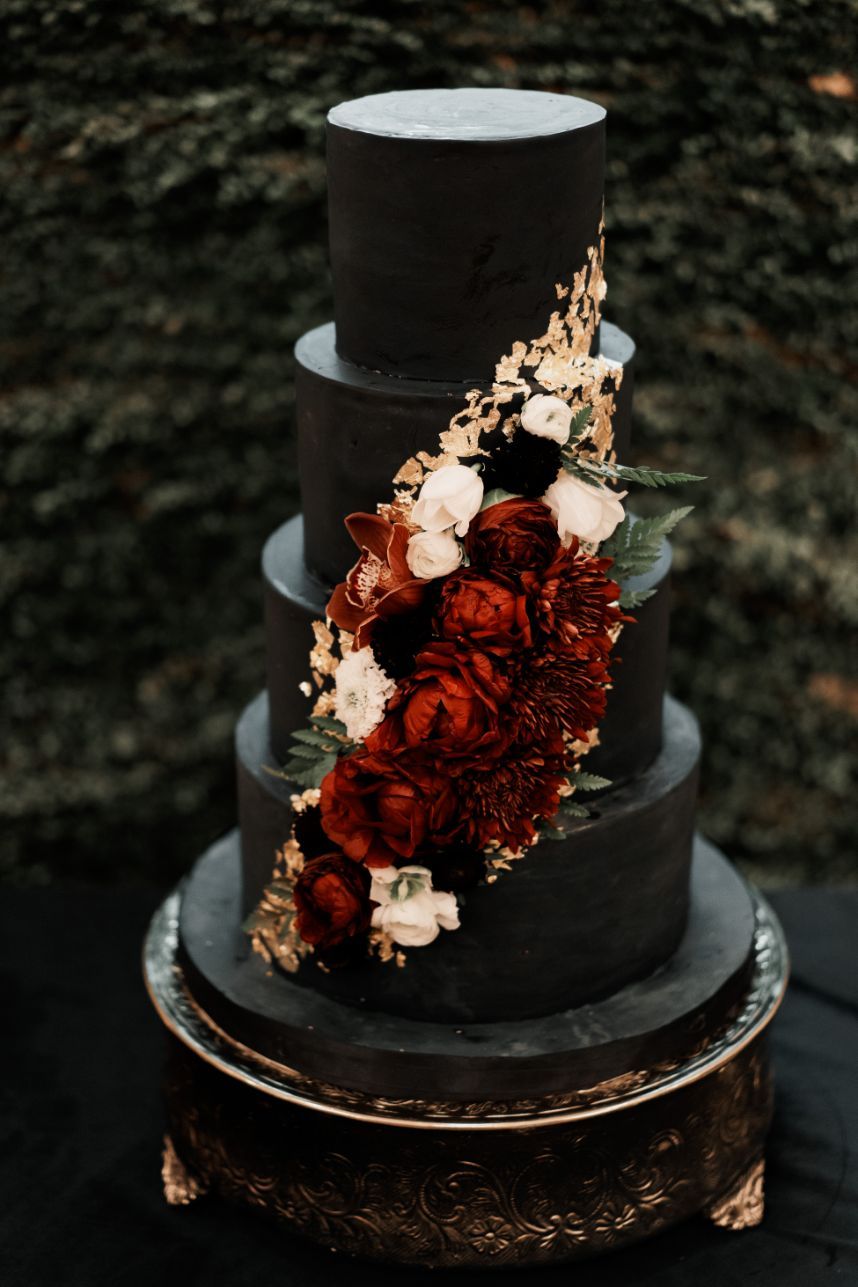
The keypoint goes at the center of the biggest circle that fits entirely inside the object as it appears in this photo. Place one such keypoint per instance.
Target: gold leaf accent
(410, 473)
(272, 925)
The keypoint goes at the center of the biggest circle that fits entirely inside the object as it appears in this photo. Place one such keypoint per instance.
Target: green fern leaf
(589, 782)
(634, 598)
(636, 544)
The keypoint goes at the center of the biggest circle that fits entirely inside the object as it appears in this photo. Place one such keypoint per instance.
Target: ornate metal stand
(458, 1184)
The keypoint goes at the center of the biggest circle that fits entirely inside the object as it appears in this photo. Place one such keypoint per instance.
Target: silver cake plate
(493, 1183)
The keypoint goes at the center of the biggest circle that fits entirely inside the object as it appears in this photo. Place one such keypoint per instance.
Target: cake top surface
(466, 115)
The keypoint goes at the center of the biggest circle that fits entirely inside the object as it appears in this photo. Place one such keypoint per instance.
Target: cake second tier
(573, 920)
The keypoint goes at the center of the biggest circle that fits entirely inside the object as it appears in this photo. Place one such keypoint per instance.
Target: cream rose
(432, 554)
(410, 910)
(584, 510)
(362, 692)
(547, 417)
(450, 497)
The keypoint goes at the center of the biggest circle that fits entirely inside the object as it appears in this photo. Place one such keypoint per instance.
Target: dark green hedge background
(163, 246)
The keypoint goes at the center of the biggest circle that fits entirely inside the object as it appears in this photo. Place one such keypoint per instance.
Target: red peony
(451, 707)
(515, 534)
(504, 801)
(380, 584)
(488, 612)
(383, 809)
(575, 603)
(332, 901)
(559, 692)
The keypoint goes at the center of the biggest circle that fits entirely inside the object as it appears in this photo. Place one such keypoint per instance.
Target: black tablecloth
(80, 1193)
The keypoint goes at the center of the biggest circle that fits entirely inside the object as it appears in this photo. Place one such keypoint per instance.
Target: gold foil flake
(383, 945)
(440, 461)
(306, 800)
(322, 660)
(271, 926)
(324, 704)
(411, 473)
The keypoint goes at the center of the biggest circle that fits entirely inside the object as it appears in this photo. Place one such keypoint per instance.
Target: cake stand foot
(180, 1187)
(742, 1206)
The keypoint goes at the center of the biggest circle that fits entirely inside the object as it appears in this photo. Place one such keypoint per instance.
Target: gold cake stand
(488, 1184)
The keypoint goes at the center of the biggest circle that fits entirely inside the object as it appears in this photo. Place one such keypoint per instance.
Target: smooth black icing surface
(452, 215)
(574, 919)
(653, 1019)
(357, 428)
(630, 733)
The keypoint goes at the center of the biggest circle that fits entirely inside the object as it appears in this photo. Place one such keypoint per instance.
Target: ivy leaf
(636, 544)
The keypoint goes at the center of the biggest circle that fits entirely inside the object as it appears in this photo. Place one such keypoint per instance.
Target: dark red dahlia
(560, 691)
(575, 603)
(504, 801)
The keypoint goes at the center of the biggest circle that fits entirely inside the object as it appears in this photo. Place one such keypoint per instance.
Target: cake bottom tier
(573, 920)
(652, 1021)
(490, 1181)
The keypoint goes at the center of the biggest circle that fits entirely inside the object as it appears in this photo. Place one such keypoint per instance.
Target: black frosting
(453, 213)
(357, 428)
(657, 1018)
(616, 888)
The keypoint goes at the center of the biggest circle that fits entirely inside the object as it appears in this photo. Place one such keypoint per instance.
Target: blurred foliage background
(163, 226)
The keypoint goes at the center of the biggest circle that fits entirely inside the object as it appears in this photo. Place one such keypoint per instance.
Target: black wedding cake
(465, 987)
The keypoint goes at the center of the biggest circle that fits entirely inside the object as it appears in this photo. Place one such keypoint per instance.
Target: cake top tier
(453, 214)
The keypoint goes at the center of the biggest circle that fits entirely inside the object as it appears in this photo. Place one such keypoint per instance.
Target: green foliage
(163, 229)
(314, 751)
(636, 544)
(645, 477)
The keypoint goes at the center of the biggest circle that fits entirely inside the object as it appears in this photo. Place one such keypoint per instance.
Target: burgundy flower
(514, 535)
(381, 809)
(503, 802)
(450, 709)
(488, 612)
(332, 902)
(380, 584)
(575, 603)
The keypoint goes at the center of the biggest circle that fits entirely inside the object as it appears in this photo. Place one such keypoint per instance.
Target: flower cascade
(475, 633)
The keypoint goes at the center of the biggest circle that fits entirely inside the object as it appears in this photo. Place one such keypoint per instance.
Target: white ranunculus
(450, 497)
(432, 554)
(547, 417)
(584, 510)
(362, 692)
(410, 910)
